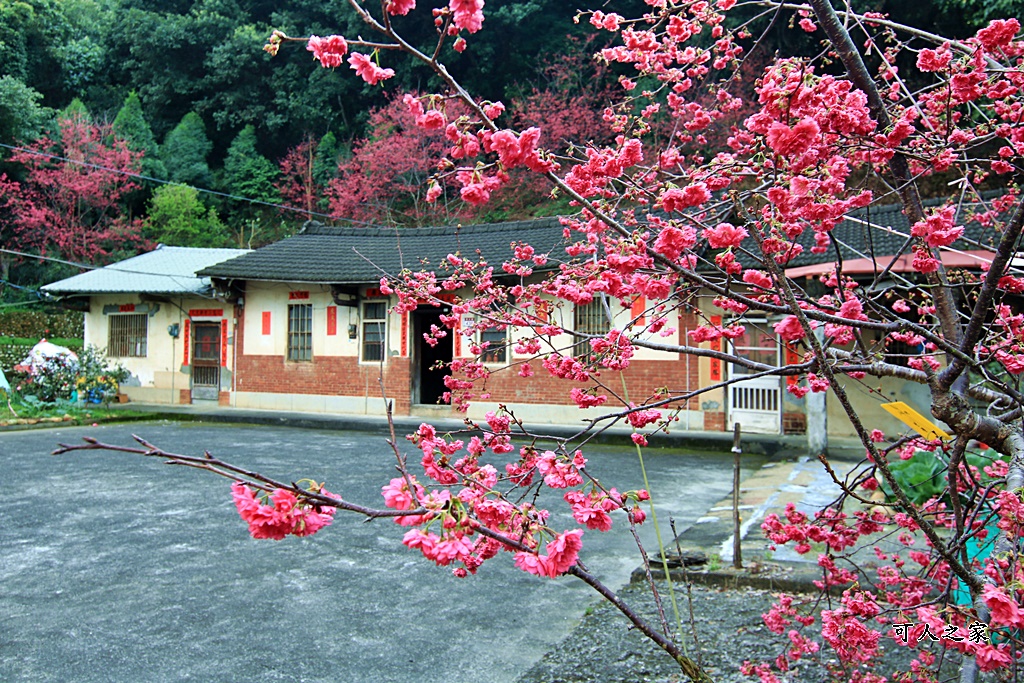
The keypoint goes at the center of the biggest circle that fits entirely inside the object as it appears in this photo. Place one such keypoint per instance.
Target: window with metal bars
(127, 335)
(496, 340)
(300, 332)
(374, 330)
(589, 319)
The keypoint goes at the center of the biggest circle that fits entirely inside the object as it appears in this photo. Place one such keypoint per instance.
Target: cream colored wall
(273, 297)
(160, 375)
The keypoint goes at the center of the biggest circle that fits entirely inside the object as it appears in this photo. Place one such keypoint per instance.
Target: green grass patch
(27, 341)
(63, 413)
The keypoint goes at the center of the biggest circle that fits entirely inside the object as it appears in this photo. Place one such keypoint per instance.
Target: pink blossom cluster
(329, 51)
(854, 627)
(367, 69)
(938, 230)
(282, 513)
(447, 522)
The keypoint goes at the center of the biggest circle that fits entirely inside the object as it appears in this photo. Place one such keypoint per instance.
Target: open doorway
(430, 362)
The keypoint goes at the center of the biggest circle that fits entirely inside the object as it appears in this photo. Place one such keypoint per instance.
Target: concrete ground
(116, 568)
(799, 480)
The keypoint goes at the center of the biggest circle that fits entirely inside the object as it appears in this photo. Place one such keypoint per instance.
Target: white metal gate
(755, 403)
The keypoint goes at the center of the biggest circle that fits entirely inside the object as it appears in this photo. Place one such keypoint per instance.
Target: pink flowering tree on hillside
(72, 199)
(297, 183)
(710, 232)
(385, 180)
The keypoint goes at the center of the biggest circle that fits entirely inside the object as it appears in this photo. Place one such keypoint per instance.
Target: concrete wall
(866, 404)
(164, 372)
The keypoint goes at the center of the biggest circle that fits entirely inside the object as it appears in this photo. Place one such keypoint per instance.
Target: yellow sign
(915, 420)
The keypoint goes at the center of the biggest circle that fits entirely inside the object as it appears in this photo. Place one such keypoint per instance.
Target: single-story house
(168, 326)
(315, 333)
(302, 324)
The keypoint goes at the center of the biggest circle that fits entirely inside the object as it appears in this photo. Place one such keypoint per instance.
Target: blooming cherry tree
(71, 201)
(662, 218)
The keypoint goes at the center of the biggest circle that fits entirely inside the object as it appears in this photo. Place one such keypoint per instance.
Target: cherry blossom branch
(878, 21)
(217, 466)
(225, 469)
(883, 466)
(689, 667)
(983, 306)
(906, 187)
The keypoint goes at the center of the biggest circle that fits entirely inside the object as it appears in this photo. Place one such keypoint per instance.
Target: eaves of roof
(328, 255)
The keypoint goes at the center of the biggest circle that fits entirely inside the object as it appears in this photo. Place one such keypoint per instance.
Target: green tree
(21, 117)
(75, 111)
(179, 218)
(247, 173)
(976, 14)
(250, 175)
(130, 125)
(185, 150)
(325, 161)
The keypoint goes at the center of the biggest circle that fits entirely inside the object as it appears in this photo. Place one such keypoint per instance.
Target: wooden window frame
(497, 351)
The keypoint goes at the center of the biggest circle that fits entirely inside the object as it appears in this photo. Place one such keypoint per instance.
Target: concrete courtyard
(119, 568)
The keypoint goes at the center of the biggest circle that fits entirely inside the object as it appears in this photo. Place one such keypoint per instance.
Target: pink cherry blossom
(678, 199)
(998, 34)
(1004, 608)
(586, 400)
(469, 14)
(758, 278)
(938, 230)
(368, 70)
(789, 329)
(793, 142)
(934, 60)
(561, 555)
(329, 50)
(725, 235)
(400, 7)
(673, 241)
(283, 516)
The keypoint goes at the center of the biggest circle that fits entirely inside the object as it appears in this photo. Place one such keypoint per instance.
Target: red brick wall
(185, 396)
(344, 376)
(794, 423)
(643, 379)
(324, 375)
(714, 422)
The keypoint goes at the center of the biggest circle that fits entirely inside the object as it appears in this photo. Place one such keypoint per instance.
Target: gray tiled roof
(882, 230)
(879, 230)
(165, 270)
(361, 255)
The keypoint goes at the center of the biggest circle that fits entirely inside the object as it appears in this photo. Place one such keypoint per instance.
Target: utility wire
(140, 176)
(86, 266)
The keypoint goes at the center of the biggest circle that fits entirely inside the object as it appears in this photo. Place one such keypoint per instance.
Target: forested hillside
(126, 123)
